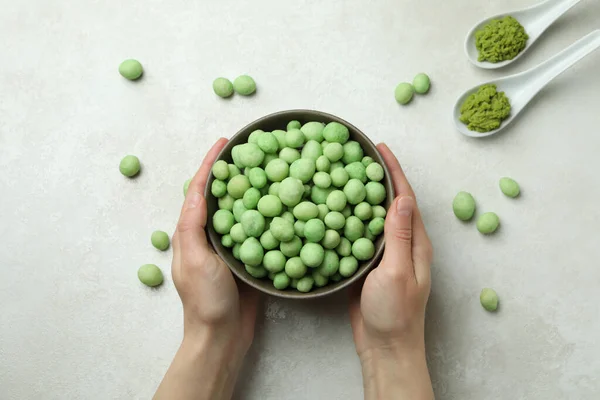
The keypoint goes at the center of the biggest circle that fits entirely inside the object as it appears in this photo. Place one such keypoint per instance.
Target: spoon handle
(541, 75)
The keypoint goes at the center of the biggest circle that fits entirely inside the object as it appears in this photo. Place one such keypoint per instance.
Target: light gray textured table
(75, 323)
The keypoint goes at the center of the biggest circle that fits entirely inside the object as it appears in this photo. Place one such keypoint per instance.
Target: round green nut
(375, 193)
(282, 229)
(295, 268)
(277, 170)
(363, 211)
(312, 150)
(289, 155)
(374, 172)
(237, 233)
(379, 212)
(331, 240)
(357, 170)
(233, 170)
(270, 206)
(131, 69)
(250, 155)
(488, 223)
(355, 191)
(323, 164)
(222, 87)
(223, 221)
(268, 143)
(348, 266)
(129, 166)
(335, 220)
(306, 211)
(352, 152)
(274, 261)
(257, 177)
(294, 138)
(236, 251)
(463, 206)
(334, 151)
(363, 249)
(253, 223)
(305, 284)
(160, 240)
(267, 240)
(334, 132)
(237, 186)
(150, 275)
(220, 170)
(330, 264)
(227, 241)
(280, 135)
(404, 93)
(344, 249)
(257, 272)
(291, 191)
(320, 280)
(274, 188)
(299, 228)
(319, 195)
(303, 169)
(218, 188)
(226, 202)
(376, 226)
(509, 187)
(336, 201)
(238, 209)
(421, 83)
(244, 85)
(339, 177)
(323, 211)
(254, 135)
(313, 131)
(251, 252)
(489, 299)
(293, 125)
(314, 230)
(367, 160)
(312, 254)
(291, 248)
(354, 228)
(281, 281)
(251, 198)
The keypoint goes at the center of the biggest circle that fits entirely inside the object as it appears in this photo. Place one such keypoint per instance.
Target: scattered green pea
(463, 206)
(282, 229)
(344, 249)
(294, 138)
(150, 275)
(130, 166)
(421, 83)
(244, 85)
(257, 272)
(352, 152)
(267, 240)
(131, 69)
(363, 211)
(509, 187)
(404, 93)
(488, 223)
(489, 299)
(379, 212)
(313, 131)
(222, 87)
(323, 164)
(160, 240)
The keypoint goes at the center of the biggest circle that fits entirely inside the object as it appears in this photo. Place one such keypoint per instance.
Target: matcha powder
(484, 111)
(501, 39)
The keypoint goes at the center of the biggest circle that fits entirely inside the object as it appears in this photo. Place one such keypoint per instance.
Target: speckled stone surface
(75, 323)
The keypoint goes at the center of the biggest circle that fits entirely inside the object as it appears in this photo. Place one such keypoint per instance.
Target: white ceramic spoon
(522, 87)
(535, 20)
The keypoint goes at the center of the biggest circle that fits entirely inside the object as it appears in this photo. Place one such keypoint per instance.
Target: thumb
(399, 233)
(190, 229)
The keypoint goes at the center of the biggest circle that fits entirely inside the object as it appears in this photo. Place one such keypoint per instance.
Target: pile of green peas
(301, 207)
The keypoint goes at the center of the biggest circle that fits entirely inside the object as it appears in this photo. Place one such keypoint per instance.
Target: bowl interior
(269, 123)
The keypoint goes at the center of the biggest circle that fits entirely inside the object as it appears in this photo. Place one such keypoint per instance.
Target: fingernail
(404, 205)
(193, 200)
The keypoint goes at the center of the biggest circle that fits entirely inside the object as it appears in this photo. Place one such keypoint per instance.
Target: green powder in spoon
(501, 39)
(484, 110)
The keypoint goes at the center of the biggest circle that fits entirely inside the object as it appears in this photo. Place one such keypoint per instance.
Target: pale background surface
(75, 323)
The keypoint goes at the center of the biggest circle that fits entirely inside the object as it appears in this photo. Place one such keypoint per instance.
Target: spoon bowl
(523, 87)
(535, 20)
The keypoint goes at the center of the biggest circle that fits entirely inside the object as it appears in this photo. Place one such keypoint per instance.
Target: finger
(354, 294)
(399, 237)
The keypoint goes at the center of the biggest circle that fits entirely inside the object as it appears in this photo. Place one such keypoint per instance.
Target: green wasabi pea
(314, 230)
(226, 202)
(236, 251)
(305, 284)
(274, 261)
(299, 228)
(251, 252)
(268, 143)
(244, 85)
(463, 206)
(269, 206)
(339, 177)
(335, 220)
(312, 254)
(223, 221)
(233, 170)
(352, 152)
(289, 155)
(421, 83)
(322, 180)
(220, 170)
(294, 283)
(375, 193)
(254, 135)
(330, 264)
(323, 164)
(404, 93)
(274, 188)
(303, 169)
(294, 138)
(293, 125)
(291, 248)
(319, 195)
(363, 249)
(368, 235)
(280, 135)
(348, 266)
(312, 150)
(253, 223)
(257, 177)
(379, 212)
(222, 87)
(250, 155)
(150, 275)
(363, 211)
(277, 170)
(306, 211)
(354, 228)
(281, 281)
(295, 268)
(237, 186)
(333, 151)
(130, 166)
(237, 233)
(291, 191)
(227, 241)
(488, 223)
(268, 241)
(489, 299)
(313, 131)
(160, 240)
(376, 226)
(374, 172)
(287, 215)
(355, 191)
(366, 161)
(331, 239)
(251, 198)
(335, 132)
(344, 249)
(356, 170)
(336, 201)
(323, 211)
(218, 188)
(268, 158)
(335, 165)
(347, 211)
(257, 272)
(131, 69)
(509, 187)
(319, 279)
(282, 229)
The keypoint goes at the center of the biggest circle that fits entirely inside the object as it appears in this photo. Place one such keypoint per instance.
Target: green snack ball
(251, 252)
(313, 131)
(253, 223)
(306, 211)
(295, 268)
(376, 226)
(250, 155)
(368, 235)
(131, 69)
(319, 195)
(330, 264)
(236, 251)
(281, 281)
(404, 93)
(274, 188)
(257, 272)
(339, 177)
(334, 132)
(220, 170)
(218, 188)
(271, 275)
(336, 165)
(274, 261)
(421, 83)
(335, 220)
(186, 186)
(488, 223)
(303, 169)
(282, 229)
(223, 221)
(331, 240)
(336, 277)
(247, 172)
(485, 110)
(323, 164)
(509, 187)
(257, 177)
(305, 284)
(312, 150)
(291, 248)
(268, 241)
(299, 228)
(280, 135)
(348, 266)
(227, 241)
(150, 275)
(226, 202)
(463, 206)
(289, 155)
(352, 152)
(268, 159)
(130, 166)
(237, 233)
(237, 186)
(357, 170)
(374, 172)
(244, 85)
(379, 212)
(355, 191)
(314, 230)
(363, 211)
(270, 206)
(288, 216)
(277, 170)
(294, 138)
(293, 125)
(251, 198)
(344, 249)
(294, 283)
(322, 180)
(366, 161)
(268, 223)
(160, 240)
(354, 228)
(489, 299)
(500, 39)
(239, 209)
(347, 211)
(222, 87)
(319, 279)
(268, 143)
(312, 254)
(363, 249)
(336, 201)
(324, 144)
(291, 191)
(233, 170)
(254, 135)
(375, 193)
(323, 211)
(334, 151)
(235, 156)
